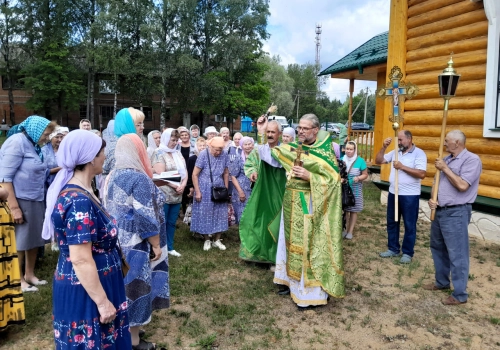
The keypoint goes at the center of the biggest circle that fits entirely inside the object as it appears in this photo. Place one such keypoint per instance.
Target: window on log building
(491, 127)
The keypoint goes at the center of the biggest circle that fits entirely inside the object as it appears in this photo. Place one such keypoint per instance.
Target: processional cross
(396, 90)
(297, 162)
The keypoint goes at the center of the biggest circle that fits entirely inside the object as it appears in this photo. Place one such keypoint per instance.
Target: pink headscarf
(130, 153)
(244, 140)
(77, 148)
(217, 141)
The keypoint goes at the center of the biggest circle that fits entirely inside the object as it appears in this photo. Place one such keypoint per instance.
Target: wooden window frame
(491, 127)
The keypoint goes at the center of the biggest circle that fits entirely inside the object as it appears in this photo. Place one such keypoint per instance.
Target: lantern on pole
(448, 83)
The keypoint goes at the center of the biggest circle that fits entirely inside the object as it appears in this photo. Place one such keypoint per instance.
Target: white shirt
(414, 158)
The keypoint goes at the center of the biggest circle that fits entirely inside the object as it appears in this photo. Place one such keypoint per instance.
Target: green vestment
(314, 239)
(259, 224)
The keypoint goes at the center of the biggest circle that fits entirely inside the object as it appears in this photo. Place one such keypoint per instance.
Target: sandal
(144, 345)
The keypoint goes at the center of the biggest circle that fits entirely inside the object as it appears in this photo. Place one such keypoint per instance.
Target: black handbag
(219, 194)
(348, 199)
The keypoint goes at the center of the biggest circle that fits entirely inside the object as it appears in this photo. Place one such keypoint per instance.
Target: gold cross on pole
(297, 162)
(397, 90)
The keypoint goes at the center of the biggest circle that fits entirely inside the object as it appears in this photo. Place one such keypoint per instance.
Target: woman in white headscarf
(168, 158)
(288, 135)
(357, 171)
(153, 142)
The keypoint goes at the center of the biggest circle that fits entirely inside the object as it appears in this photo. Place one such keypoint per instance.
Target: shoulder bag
(219, 194)
(348, 199)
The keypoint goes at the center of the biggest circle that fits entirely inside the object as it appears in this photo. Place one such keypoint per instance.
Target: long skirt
(29, 233)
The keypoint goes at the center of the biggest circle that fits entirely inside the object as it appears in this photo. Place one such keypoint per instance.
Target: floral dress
(209, 217)
(236, 169)
(77, 220)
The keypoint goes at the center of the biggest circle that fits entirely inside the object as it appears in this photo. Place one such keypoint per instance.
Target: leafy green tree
(281, 91)
(305, 87)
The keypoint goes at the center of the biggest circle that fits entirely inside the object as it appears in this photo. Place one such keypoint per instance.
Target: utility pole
(366, 104)
(318, 49)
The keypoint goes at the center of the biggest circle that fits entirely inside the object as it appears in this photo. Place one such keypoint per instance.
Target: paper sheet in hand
(171, 176)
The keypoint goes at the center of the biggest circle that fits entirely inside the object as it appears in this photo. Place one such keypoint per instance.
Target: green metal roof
(372, 52)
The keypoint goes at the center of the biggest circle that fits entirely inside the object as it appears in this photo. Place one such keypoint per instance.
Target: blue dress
(50, 157)
(137, 203)
(209, 217)
(236, 169)
(77, 220)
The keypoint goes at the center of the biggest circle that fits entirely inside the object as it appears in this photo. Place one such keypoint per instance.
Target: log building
(422, 35)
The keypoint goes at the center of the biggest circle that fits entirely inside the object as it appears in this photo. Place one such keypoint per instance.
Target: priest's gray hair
(457, 135)
(312, 118)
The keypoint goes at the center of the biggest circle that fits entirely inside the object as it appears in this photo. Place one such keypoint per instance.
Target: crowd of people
(111, 205)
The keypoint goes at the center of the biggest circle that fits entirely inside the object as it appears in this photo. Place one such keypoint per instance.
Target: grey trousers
(450, 248)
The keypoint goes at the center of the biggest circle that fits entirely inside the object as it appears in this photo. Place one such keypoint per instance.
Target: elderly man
(411, 167)
(85, 124)
(458, 185)
(259, 224)
(309, 258)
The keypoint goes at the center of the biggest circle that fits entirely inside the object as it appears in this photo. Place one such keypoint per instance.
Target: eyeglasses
(300, 128)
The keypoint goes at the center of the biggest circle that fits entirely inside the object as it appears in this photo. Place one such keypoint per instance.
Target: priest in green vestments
(309, 255)
(259, 224)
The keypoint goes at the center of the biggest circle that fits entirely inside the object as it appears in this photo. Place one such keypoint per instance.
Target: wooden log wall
(435, 28)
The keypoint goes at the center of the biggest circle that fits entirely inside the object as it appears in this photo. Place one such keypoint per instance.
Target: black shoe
(283, 291)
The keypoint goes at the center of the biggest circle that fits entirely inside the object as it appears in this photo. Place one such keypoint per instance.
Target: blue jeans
(450, 248)
(408, 209)
(171, 214)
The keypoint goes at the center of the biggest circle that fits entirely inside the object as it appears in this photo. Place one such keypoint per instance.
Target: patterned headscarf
(130, 153)
(34, 127)
(124, 124)
(77, 148)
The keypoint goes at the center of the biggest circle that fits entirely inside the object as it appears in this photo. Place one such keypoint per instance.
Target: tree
(51, 76)
(10, 65)
(305, 87)
(282, 86)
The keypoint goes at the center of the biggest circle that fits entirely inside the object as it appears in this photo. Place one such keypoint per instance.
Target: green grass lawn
(220, 302)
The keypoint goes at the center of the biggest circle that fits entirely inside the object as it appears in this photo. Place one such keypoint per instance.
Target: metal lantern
(448, 81)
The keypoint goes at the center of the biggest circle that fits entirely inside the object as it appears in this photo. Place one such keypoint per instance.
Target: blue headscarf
(109, 133)
(13, 130)
(33, 127)
(124, 124)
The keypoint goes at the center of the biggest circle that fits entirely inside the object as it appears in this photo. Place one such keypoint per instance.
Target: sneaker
(207, 245)
(388, 254)
(218, 244)
(405, 259)
(173, 253)
(348, 236)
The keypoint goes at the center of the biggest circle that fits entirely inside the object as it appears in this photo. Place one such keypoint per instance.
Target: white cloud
(346, 24)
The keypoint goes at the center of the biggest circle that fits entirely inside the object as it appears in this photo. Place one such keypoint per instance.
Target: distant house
(422, 35)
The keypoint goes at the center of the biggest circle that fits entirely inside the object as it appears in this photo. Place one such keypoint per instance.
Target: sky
(346, 25)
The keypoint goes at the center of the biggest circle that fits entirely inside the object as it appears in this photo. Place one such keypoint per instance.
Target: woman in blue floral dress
(134, 200)
(89, 303)
(241, 184)
(210, 218)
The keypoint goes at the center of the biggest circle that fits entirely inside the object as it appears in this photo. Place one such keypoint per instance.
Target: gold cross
(299, 150)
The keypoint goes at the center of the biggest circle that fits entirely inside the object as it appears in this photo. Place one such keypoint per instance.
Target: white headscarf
(350, 160)
(176, 155)
(151, 142)
(290, 132)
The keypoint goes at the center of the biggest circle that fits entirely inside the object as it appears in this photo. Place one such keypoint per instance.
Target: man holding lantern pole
(411, 167)
(457, 190)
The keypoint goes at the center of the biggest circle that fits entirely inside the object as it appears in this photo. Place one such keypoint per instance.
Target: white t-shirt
(415, 158)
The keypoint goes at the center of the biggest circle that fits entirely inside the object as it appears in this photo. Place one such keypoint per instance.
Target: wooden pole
(396, 182)
(435, 187)
(349, 122)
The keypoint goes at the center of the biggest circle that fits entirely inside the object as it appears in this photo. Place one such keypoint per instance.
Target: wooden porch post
(349, 121)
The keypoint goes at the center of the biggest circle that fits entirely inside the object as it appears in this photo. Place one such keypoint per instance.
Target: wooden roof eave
(368, 73)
